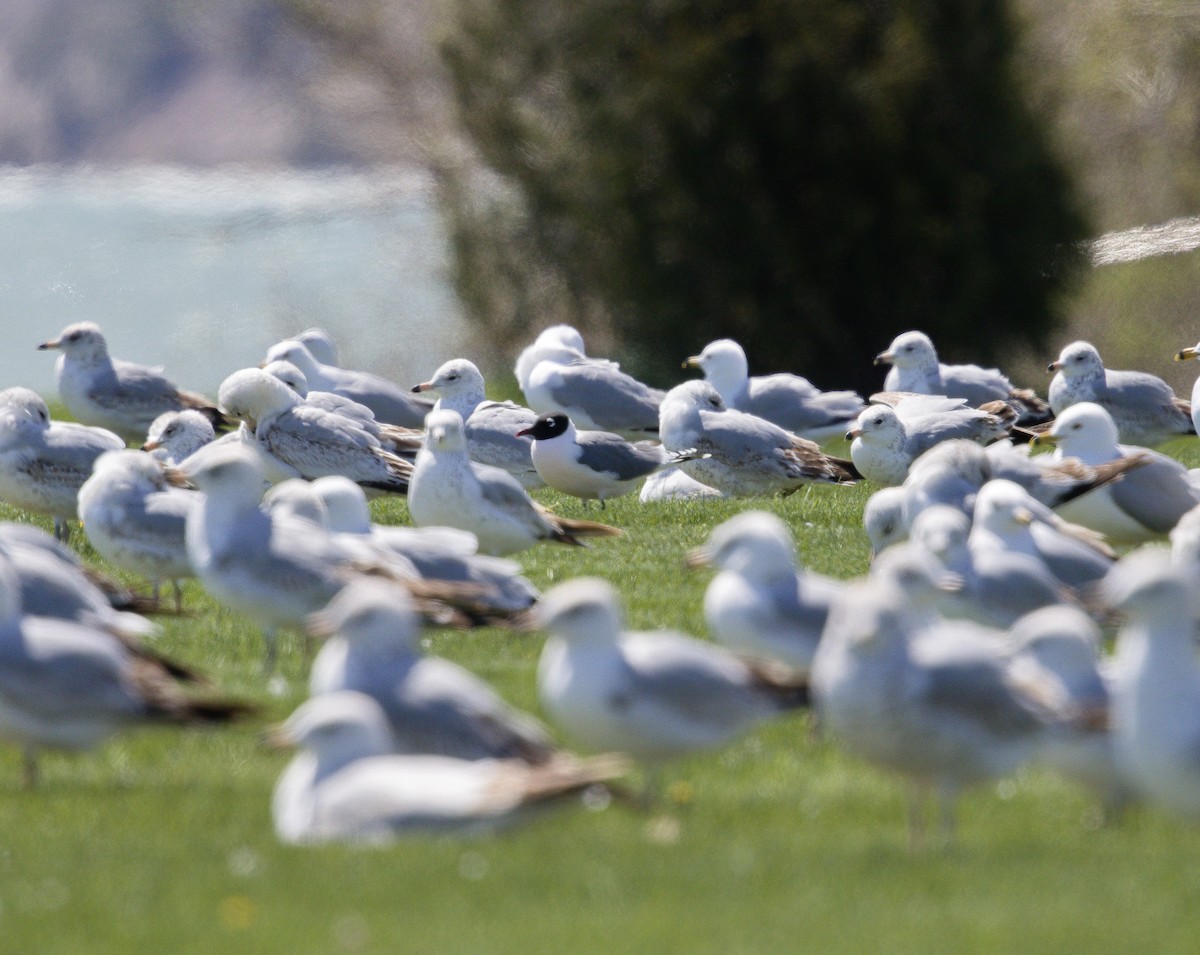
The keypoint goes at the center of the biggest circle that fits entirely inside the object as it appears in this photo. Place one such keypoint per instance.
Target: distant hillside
(207, 83)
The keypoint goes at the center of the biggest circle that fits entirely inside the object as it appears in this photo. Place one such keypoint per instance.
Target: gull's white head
(296, 499)
(1003, 507)
(337, 727)
(179, 433)
(457, 378)
(252, 394)
(82, 341)
(289, 374)
(724, 365)
(883, 519)
(370, 613)
(25, 407)
(345, 503)
(319, 344)
(755, 544)
(942, 531)
(296, 353)
(909, 350)
(133, 468)
(444, 431)
(1085, 431)
(1078, 360)
(878, 425)
(583, 608)
(234, 469)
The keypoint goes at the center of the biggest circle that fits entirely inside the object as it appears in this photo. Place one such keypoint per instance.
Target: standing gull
(349, 785)
(449, 489)
(592, 464)
(760, 603)
(388, 401)
(109, 393)
(791, 402)
(1149, 499)
(915, 368)
(655, 696)
(494, 428)
(740, 454)
(1144, 407)
(44, 463)
(136, 520)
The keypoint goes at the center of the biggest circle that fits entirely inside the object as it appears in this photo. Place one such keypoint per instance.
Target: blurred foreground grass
(161, 841)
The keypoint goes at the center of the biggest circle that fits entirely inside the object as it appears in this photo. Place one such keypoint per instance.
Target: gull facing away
(110, 393)
(593, 393)
(448, 489)
(915, 368)
(388, 401)
(1156, 685)
(1149, 499)
(44, 463)
(320, 345)
(791, 402)
(136, 519)
(740, 454)
(1144, 407)
(932, 701)
(886, 440)
(760, 603)
(494, 428)
(348, 784)
(654, 696)
(550, 340)
(274, 570)
(592, 464)
(66, 685)
(311, 441)
(372, 644)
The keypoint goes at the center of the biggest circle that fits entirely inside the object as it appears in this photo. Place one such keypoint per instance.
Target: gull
(886, 440)
(176, 435)
(1189, 354)
(1059, 649)
(435, 553)
(1144, 407)
(348, 785)
(592, 464)
(109, 393)
(449, 489)
(274, 571)
(915, 368)
(760, 604)
(43, 463)
(550, 340)
(67, 685)
(136, 519)
(1007, 519)
(494, 428)
(740, 454)
(372, 636)
(1149, 499)
(791, 402)
(932, 701)
(319, 344)
(387, 401)
(994, 587)
(1156, 684)
(654, 696)
(883, 519)
(311, 441)
(595, 394)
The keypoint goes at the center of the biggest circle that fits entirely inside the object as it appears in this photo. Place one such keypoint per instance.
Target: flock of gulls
(995, 628)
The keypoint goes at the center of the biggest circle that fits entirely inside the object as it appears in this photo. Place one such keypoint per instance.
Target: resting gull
(791, 402)
(740, 454)
(348, 784)
(1144, 407)
(109, 393)
(449, 489)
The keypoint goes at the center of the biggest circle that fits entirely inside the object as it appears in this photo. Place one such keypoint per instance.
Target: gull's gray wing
(611, 454)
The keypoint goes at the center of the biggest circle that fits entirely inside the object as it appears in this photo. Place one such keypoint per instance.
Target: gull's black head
(547, 426)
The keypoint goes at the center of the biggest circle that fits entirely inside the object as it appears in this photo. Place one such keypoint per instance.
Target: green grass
(161, 841)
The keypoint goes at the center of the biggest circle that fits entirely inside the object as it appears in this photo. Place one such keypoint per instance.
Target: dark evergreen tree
(807, 176)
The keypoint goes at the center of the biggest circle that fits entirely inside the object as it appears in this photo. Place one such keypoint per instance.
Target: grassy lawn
(161, 841)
